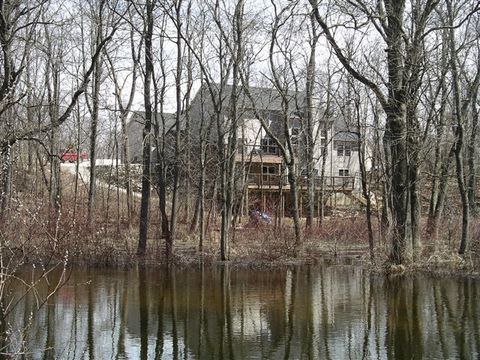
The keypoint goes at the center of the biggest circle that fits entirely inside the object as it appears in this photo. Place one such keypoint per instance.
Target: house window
(268, 169)
(347, 150)
(344, 150)
(340, 150)
(343, 172)
(269, 146)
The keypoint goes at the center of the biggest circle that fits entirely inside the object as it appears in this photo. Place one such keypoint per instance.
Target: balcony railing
(331, 182)
(265, 149)
(267, 180)
(275, 181)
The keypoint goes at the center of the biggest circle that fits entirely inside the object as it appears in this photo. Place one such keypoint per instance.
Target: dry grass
(39, 233)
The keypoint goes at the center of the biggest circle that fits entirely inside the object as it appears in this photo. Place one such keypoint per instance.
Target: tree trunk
(395, 137)
(472, 153)
(364, 180)
(97, 76)
(459, 115)
(145, 201)
(294, 196)
(309, 135)
(178, 83)
(6, 175)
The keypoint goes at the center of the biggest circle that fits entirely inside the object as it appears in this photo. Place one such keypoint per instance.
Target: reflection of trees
(201, 311)
(160, 329)
(325, 316)
(292, 275)
(402, 319)
(143, 302)
(173, 308)
(475, 315)
(309, 315)
(417, 321)
(439, 317)
(123, 315)
(368, 299)
(50, 325)
(90, 314)
(327, 313)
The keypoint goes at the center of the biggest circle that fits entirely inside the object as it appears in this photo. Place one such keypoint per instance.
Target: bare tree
(460, 109)
(124, 109)
(178, 114)
(146, 173)
(388, 18)
(28, 18)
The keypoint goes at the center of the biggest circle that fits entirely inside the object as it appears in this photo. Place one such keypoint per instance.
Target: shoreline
(450, 265)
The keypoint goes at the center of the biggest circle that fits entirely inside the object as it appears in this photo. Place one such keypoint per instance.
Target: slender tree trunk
(413, 147)
(294, 196)
(124, 112)
(228, 161)
(472, 153)
(309, 136)
(202, 202)
(161, 152)
(187, 142)
(439, 137)
(178, 86)
(145, 201)
(6, 175)
(97, 76)
(364, 180)
(126, 166)
(442, 194)
(459, 116)
(77, 163)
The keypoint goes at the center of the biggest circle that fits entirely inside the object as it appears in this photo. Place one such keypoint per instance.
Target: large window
(269, 146)
(344, 149)
(347, 149)
(269, 169)
(340, 150)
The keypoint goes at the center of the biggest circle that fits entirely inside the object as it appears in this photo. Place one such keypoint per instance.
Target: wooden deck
(277, 182)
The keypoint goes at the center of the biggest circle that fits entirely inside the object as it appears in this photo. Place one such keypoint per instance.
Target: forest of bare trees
(403, 76)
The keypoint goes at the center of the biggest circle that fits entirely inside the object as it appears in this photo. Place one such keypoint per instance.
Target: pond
(323, 312)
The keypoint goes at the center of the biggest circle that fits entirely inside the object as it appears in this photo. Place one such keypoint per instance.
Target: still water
(326, 312)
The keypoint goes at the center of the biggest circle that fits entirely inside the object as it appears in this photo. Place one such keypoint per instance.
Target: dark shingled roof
(168, 118)
(264, 98)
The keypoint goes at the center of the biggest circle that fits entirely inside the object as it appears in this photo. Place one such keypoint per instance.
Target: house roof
(167, 120)
(344, 131)
(263, 98)
(268, 102)
(270, 99)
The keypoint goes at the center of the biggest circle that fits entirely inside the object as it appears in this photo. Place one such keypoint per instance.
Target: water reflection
(330, 312)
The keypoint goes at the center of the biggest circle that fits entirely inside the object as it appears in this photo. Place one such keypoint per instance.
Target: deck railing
(267, 180)
(274, 181)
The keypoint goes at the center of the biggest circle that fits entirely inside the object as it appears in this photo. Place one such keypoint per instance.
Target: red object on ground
(71, 155)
